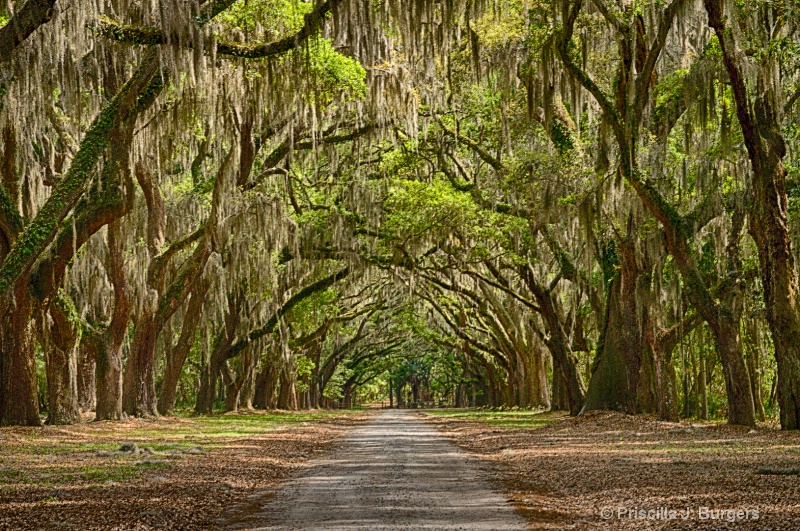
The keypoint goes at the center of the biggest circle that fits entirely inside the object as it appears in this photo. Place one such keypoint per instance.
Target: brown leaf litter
(179, 475)
(607, 470)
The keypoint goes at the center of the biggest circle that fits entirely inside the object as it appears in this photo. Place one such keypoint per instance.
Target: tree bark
(246, 379)
(87, 397)
(540, 395)
(768, 219)
(61, 357)
(139, 397)
(558, 343)
(176, 358)
(265, 387)
(666, 386)
(213, 367)
(646, 395)
(108, 344)
(702, 384)
(753, 365)
(19, 403)
(559, 400)
(615, 379)
(287, 396)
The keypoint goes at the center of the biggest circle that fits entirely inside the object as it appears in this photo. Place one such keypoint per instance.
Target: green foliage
(275, 17)
(335, 388)
(669, 94)
(420, 212)
(305, 367)
(336, 77)
(502, 26)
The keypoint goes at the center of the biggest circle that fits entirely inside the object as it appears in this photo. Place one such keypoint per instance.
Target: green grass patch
(49, 457)
(516, 419)
(58, 475)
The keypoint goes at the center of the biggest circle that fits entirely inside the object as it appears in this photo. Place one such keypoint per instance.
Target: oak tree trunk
(176, 357)
(287, 397)
(768, 216)
(139, 397)
(108, 344)
(19, 404)
(87, 397)
(615, 378)
(61, 358)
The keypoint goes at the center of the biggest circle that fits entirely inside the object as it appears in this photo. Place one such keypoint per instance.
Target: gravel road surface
(394, 472)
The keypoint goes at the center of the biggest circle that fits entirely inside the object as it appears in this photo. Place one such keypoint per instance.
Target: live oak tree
(574, 204)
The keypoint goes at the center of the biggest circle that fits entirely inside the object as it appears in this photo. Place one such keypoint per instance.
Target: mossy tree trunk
(265, 386)
(615, 378)
(666, 385)
(768, 216)
(624, 111)
(287, 394)
(49, 241)
(139, 396)
(540, 392)
(61, 358)
(87, 397)
(557, 342)
(646, 395)
(662, 344)
(107, 343)
(216, 363)
(19, 404)
(245, 380)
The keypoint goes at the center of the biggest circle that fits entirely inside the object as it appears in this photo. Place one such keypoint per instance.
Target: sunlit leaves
(275, 18)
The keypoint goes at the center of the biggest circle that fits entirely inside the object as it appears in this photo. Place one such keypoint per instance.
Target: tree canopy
(569, 204)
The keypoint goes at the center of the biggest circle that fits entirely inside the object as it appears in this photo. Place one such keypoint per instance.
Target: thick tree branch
(152, 35)
(293, 301)
(30, 16)
(474, 146)
(563, 45)
(41, 231)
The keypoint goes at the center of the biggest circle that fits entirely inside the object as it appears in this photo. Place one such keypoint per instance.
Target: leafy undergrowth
(606, 470)
(174, 473)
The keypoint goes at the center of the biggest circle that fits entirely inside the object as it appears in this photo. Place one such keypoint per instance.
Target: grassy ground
(522, 419)
(612, 471)
(181, 474)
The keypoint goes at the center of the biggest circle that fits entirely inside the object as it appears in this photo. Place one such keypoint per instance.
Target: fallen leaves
(563, 475)
(139, 474)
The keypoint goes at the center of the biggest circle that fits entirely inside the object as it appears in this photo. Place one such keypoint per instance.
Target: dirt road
(395, 472)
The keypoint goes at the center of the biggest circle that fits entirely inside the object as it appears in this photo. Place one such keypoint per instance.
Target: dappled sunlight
(181, 466)
(565, 473)
(319, 241)
(395, 472)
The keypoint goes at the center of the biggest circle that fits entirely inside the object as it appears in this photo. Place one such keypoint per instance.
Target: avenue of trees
(572, 204)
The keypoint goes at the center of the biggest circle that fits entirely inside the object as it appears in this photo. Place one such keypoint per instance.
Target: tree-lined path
(242, 220)
(395, 472)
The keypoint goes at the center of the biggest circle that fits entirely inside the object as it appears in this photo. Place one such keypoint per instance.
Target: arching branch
(30, 16)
